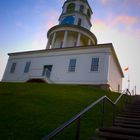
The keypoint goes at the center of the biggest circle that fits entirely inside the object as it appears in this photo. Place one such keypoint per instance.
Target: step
(127, 122)
(127, 125)
(129, 119)
(132, 111)
(120, 130)
(133, 106)
(114, 136)
(131, 114)
(128, 116)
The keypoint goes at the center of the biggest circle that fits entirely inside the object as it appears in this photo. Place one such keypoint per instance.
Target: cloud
(131, 2)
(123, 2)
(19, 24)
(49, 20)
(125, 20)
(104, 2)
(123, 23)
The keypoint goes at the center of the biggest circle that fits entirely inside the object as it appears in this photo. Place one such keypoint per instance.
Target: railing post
(114, 112)
(102, 113)
(77, 137)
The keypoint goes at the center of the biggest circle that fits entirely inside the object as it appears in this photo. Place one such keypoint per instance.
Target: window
(68, 20)
(119, 88)
(27, 67)
(81, 8)
(72, 65)
(13, 67)
(79, 22)
(88, 13)
(70, 7)
(95, 64)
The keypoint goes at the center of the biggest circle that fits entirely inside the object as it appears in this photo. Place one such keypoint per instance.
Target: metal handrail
(78, 116)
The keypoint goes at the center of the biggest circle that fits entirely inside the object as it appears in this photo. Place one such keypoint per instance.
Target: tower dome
(74, 26)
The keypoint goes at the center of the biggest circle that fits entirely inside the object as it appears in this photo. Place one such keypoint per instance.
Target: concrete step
(127, 125)
(133, 106)
(129, 119)
(120, 130)
(131, 110)
(128, 116)
(127, 122)
(131, 114)
(115, 136)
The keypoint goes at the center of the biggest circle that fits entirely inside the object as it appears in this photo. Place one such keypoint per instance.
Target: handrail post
(114, 112)
(77, 137)
(102, 113)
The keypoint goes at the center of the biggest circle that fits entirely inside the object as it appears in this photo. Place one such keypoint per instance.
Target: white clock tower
(74, 26)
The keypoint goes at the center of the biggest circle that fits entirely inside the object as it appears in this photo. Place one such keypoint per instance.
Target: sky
(24, 25)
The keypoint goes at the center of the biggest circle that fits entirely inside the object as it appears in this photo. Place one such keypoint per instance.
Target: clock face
(68, 20)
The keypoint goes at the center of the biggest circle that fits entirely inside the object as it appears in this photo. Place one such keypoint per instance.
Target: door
(47, 71)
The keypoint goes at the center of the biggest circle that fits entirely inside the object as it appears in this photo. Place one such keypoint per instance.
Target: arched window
(71, 7)
(88, 13)
(81, 8)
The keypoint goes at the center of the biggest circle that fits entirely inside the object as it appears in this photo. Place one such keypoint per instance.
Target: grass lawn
(29, 111)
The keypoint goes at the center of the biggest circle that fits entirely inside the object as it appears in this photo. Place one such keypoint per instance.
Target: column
(48, 44)
(65, 39)
(89, 42)
(53, 40)
(78, 40)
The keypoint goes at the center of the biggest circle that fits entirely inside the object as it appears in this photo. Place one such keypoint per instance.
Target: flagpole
(135, 90)
(128, 82)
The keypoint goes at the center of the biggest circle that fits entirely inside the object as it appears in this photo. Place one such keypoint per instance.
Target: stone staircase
(126, 125)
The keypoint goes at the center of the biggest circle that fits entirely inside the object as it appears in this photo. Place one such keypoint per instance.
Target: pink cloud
(129, 24)
(123, 2)
(131, 2)
(104, 2)
(114, 21)
(50, 19)
(19, 24)
(125, 20)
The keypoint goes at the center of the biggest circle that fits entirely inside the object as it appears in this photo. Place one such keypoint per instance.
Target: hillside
(29, 111)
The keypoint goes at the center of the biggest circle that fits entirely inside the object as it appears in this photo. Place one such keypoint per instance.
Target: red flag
(126, 69)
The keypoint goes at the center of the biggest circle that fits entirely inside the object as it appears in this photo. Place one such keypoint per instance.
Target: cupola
(76, 12)
(74, 26)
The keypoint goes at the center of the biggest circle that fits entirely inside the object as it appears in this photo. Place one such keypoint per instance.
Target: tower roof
(78, 0)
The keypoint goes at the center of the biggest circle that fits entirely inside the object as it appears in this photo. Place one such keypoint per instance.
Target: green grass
(29, 111)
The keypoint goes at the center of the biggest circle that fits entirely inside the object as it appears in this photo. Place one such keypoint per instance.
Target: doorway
(47, 70)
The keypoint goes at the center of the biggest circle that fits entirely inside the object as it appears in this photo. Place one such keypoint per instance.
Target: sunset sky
(24, 25)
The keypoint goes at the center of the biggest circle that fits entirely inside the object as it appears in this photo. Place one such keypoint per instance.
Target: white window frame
(72, 67)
